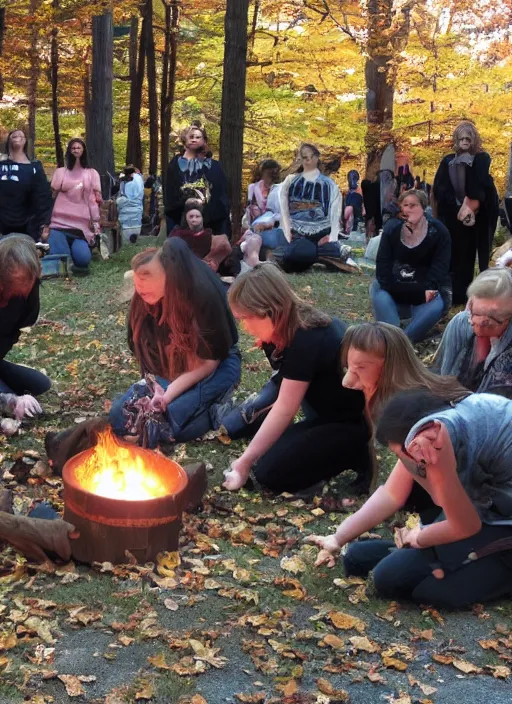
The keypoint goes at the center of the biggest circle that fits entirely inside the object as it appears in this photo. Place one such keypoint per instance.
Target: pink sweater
(75, 205)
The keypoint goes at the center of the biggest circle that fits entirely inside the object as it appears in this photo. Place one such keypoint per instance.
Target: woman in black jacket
(467, 203)
(412, 279)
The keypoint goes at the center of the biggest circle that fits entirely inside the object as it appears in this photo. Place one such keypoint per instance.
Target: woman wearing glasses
(461, 454)
(477, 344)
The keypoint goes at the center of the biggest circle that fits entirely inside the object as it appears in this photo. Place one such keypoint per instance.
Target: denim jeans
(75, 247)
(191, 415)
(423, 316)
(407, 573)
(272, 239)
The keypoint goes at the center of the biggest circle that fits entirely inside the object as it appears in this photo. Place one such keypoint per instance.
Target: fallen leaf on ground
(205, 653)
(256, 698)
(467, 667)
(8, 641)
(293, 564)
(167, 562)
(394, 663)
(364, 643)
(326, 687)
(425, 688)
(188, 666)
(146, 691)
(334, 642)
(345, 622)
(159, 662)
(293, 588)
(73, 685)
(499, 671)
(171, 605)
(194, 699)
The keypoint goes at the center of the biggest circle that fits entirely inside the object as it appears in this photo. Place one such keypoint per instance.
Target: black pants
(407, 573)
(19, 380)
(314, 450)
(467, 242)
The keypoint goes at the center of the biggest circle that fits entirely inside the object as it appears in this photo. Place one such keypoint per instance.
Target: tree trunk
(152, 95)
(172, 19)
(87, 97)
(33, 78)
(133, 145)
(54, 74)
(2, 34)
(233, 103)
(100, 140)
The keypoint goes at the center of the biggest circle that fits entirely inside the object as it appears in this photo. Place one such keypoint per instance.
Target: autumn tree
(233, 102)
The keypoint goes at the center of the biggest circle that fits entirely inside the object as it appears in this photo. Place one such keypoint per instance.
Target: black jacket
(18, 313)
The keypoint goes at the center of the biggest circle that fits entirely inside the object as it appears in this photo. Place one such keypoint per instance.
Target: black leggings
(407, 573)
(19, 380)
(314, 450)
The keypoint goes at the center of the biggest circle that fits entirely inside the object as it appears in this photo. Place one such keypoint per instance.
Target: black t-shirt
(18, 313)
(314, 356)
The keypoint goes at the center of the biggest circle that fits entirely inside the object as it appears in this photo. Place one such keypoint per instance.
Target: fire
(118, 472)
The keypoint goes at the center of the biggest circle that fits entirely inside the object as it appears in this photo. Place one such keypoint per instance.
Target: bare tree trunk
(100, 140)
(2, 34)
(172, 19)
(133, 145)
(33, 78)
(233, 103)
(87, 96)
(54, 74)
(152, 95)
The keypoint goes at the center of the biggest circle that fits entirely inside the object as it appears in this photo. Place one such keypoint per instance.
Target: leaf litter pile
(239, 614)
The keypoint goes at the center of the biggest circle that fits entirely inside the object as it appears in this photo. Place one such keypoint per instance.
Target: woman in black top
(25, 195)
(467, 203)
(181, 331)
(19, 308)
(412, 279)
(303, 346)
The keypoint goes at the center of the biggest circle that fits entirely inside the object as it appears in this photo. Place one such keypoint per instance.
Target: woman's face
(195, 140)
(464, 142)
(17, 140)
(412, 210)
(77, 150)
(21, 284)
(309, 159)
(262, 329)
(363, 373)
(489, 317)
(194, 220)
(149, 281)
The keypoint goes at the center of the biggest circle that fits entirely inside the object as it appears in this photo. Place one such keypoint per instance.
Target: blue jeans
(75, 247)
(191, 415)
(423, 316)
(272, 239)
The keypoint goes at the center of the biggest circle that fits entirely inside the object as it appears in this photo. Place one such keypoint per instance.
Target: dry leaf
(73, 685)
(167, 563)
(394, 663)
(466, 667)
(146, 691)
(212, 584)
(418, 634)
(256, 698)
(499, 671)
(327, 688)
(358, 595)
(188, 666)
(159, 662)
(8, 641)
(125, 640)
(345, 622)
(296, 591)
(206, 654)
(194, 699)
(171, 605)
(364, 643)
(490, 644)
(294, 564)
(443, 659)
(334, 642)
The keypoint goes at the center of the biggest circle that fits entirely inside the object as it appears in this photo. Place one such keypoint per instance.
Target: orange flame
(118, 472)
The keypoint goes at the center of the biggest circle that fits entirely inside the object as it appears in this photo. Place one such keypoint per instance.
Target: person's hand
(158, 402)
(329, 548)
(45, 233)
(26, 406)
(424, 446)
(237, 474)
(429, 295)
(324, 240)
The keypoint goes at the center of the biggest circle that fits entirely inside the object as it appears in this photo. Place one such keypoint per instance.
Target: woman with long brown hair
(303, 346)
(182, 332)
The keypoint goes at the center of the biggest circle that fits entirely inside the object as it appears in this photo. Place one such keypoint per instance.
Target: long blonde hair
(265, 292)
(402, 369)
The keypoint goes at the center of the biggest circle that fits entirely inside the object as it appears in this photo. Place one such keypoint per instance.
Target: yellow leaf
(167, 563)
(293, 564)
(345, 622)
(499, 671)
(334, 642)
(8, 641)
(188, 666)
(394, 663)
(159, 661)
(466, 667)
(147, 691)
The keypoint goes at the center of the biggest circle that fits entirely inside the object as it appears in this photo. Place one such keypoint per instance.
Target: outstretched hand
(236, 475)
(26, 406)
(329, 549)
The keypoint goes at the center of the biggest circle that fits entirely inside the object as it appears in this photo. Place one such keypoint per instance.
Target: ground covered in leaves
(243, 616)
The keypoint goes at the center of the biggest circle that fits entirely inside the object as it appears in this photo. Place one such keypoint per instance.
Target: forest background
(348, 76)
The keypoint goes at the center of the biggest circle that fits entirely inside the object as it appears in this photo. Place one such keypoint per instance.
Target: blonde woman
(467, 203)
(303, 347)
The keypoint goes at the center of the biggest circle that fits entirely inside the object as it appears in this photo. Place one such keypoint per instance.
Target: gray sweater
(480, 428)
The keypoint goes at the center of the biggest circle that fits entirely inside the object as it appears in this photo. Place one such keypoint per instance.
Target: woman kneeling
(181, 330)
(460, 454)
(303, 347)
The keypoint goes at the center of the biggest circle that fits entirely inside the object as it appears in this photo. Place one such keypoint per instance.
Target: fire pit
(123, 498)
